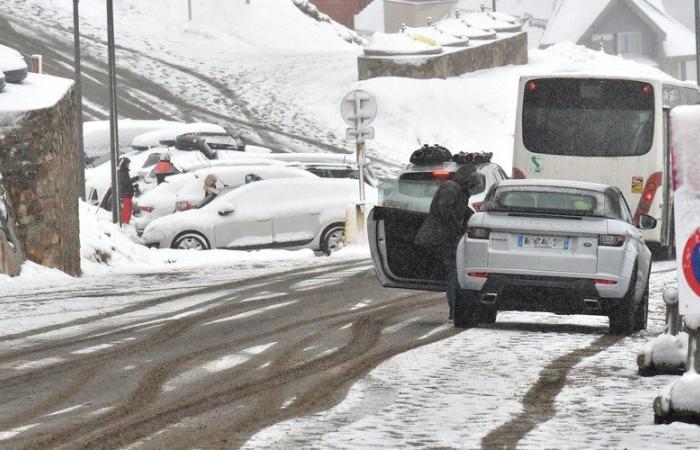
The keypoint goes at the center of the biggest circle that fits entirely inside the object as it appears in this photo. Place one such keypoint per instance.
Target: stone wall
(39, 165)
(511, 49)
(342, 11)
(11, 257)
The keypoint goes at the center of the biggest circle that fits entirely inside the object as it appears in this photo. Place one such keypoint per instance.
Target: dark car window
(612, 205)
(546, 200)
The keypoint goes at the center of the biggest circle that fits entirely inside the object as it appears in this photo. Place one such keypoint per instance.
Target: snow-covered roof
(573, 18)
(36, 92)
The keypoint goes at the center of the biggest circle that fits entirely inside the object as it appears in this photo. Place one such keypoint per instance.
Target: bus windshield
(588, 117)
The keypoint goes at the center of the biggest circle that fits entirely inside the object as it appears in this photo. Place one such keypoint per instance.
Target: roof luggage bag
(431, 154)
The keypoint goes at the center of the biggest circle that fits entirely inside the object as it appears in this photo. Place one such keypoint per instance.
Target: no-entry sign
(685, 123)
(691, 262)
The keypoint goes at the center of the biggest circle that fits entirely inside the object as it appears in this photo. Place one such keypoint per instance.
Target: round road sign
(358, 108)
(691, 262)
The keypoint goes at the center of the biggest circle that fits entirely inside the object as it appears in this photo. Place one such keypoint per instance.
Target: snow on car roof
(598, 187)
(153, 138)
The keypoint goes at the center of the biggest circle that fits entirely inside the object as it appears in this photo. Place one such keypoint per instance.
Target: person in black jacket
(447, 222)
(126, 190)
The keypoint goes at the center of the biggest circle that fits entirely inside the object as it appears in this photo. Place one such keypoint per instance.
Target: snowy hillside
(276, 65)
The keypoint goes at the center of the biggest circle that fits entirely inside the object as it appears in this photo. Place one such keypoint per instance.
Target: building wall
(342, 11)
(501, 52)
(414, 13)
(39, 165)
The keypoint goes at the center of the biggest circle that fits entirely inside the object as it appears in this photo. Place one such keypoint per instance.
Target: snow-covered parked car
(12, 64)
(282, 213)
(186, 191)
(215, 135)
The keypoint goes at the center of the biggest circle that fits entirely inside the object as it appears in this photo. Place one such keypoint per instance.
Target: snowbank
(665, 354)
(36, 92)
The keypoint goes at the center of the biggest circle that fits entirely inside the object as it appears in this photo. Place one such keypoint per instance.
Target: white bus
(606, 129)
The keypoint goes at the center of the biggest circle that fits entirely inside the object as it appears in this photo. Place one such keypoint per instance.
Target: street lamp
(697, 41)
(113, 122)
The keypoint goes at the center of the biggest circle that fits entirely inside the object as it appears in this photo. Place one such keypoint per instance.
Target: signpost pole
(361, 164)
(78, 97)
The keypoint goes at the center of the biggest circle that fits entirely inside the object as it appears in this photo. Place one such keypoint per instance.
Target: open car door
(399, 262)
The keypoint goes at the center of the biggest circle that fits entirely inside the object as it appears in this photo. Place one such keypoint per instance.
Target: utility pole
(697, 41)
(493, 5)
(189, 10)
(78, 97)
(113, 122)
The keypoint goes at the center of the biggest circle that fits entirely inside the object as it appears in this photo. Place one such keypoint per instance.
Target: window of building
(629, 43)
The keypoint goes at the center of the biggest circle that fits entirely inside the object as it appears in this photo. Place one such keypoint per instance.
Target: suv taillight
(477, 206)
(442, 174)
(478, 233)
(611, 240)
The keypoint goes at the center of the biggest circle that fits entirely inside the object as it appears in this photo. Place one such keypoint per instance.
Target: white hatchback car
(282, 213)
(559, 246)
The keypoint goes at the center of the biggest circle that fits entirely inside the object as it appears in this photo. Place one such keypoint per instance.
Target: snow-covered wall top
(34, 93)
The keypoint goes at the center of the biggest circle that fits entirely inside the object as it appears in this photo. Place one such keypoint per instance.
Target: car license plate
(554, 242)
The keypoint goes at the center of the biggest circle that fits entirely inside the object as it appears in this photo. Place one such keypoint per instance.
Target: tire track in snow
(538, 403)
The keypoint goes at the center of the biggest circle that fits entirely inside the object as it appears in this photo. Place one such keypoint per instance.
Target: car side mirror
(226, 209)
(646, 222)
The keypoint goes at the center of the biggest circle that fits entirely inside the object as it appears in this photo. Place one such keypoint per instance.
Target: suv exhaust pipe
(592, 304)
(489, 298)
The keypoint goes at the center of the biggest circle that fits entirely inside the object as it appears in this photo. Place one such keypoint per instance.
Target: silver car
(536, 245)
(559, 246)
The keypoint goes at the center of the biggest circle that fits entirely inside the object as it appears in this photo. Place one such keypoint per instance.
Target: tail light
(148, 209)
(611, 240)
(605, 282)
(644, 206)
(478, 233)
(478, 274)
(477, 206)
(442, 174)
(183, 206)
(518, 174)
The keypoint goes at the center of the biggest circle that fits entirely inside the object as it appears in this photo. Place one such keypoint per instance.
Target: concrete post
(37, 64)
(113, 117)
(78, 96)
(673, 318)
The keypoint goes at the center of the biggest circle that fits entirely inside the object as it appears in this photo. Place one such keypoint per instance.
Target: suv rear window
(574, 202)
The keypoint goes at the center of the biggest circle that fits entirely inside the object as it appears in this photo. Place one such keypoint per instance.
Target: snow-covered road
(314, 357)
(531, 381)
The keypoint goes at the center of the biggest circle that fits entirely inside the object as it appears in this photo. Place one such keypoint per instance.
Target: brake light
(532, 86)
(611, 240)
(644, 206)
(183, 206)
(605, 282)
(646, 89)
(148, 209)
(518, 174)
(477, 206)
(478, 274)
(478, 233)
(442, 174)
